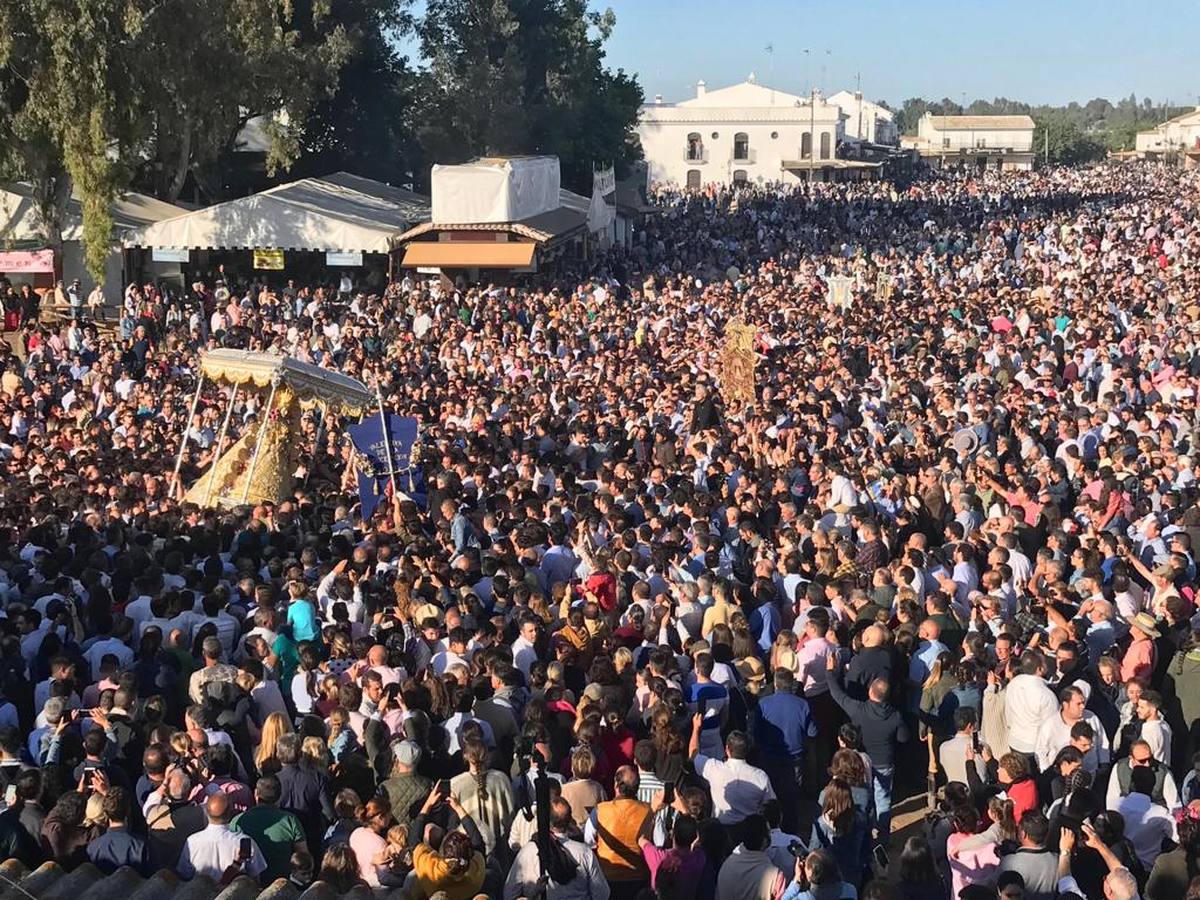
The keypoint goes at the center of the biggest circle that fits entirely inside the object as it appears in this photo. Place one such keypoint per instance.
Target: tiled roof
(51, 882)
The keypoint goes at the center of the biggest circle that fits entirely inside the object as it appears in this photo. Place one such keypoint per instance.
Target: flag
(373, 473)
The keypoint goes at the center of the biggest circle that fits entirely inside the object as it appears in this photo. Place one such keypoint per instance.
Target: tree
(525, 76)
(1066, 143)
(110, 89)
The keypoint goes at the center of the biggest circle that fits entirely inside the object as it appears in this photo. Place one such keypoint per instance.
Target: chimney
(700, 88)
(658, 99)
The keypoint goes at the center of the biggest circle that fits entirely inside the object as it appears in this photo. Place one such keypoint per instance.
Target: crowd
(635, 643)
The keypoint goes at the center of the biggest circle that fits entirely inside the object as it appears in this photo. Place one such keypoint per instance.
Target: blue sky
(1051, 51)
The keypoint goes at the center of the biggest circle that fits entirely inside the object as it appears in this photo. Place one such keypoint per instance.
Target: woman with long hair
(306, 683)
(847, 766)
(265, 759)
(369, 843)
(447, 861)
(972, 855)
(339, 869)
(842, 830)
(485, 794)
(919, 877)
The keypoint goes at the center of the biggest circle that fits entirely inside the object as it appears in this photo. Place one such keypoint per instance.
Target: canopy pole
(186, 428)
(324, 408)
(258, 441)
(387, 441)
(212, 472)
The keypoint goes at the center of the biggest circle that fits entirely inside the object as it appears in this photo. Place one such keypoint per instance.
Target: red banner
(26, 260)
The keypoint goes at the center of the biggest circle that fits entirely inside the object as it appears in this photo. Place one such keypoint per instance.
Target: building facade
(745, 133)
(980, 142)
(865, 121)
(1179, 135)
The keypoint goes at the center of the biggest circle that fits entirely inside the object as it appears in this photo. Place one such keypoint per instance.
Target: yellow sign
(268, 259)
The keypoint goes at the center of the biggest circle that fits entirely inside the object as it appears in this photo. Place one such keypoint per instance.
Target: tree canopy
(97, 96)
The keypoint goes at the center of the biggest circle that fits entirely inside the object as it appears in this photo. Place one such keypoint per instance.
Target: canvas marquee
(341, 213)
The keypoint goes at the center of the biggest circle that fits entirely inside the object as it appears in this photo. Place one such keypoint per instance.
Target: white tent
(495, 190)
(340, 213)
(21, 226)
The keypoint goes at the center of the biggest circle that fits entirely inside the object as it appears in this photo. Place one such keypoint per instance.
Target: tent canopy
(21, 222)
(308, 382)
(340, 213)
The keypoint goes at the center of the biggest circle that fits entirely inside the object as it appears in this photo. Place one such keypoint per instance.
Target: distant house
(865, 121)
(981, 142)
(744, 133)
(1178, 135)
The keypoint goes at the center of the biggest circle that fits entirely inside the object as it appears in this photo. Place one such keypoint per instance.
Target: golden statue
(737, 361)
(261, 464)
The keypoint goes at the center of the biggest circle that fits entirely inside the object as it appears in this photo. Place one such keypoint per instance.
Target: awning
(469, 254)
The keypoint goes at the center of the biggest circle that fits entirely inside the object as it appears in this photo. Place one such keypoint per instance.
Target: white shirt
(1157, 734)
(211, 851)
(1146, 824)
(1028, 702)
(1055, 734)
(524, 655)
(102, 648)
(738, 788)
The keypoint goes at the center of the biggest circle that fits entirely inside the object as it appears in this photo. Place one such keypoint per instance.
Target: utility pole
(858, 91)
(1046, 143)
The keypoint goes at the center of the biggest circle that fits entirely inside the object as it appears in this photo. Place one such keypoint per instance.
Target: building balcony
(745, 156)
(696, 156)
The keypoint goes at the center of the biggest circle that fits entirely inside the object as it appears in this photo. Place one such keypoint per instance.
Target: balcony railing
(744, 155)
(696, 155)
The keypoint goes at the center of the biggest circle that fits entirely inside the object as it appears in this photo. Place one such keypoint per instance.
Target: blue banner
(373, 471)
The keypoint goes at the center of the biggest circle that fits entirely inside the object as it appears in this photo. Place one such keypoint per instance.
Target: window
(695, 147)
(806, 145)
(716, 135)
(741, 146)
(980, 143)
(775, 136)
(945, 143)
(693, 179)
(739, 176)
(825, 148)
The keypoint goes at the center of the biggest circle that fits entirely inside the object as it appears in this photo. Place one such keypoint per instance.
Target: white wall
(977, 138)
(665, 147)
(1169, 136)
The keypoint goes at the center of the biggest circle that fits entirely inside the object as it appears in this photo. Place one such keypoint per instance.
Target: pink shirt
(1138, 660)
(810, 660)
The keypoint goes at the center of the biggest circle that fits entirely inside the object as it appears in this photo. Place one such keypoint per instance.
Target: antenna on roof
(770, 48)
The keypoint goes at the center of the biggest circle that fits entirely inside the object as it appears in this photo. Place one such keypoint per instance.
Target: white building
(747, 132)
(865, 121)
(1181, 133)
(981, 142)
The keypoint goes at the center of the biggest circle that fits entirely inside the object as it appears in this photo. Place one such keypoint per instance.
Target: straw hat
(1145, 623)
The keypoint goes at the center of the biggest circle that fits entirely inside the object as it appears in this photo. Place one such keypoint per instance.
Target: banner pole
(387, 441)
(187, 427)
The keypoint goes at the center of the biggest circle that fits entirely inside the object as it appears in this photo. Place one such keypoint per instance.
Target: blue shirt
(784, 726)
(116, 848)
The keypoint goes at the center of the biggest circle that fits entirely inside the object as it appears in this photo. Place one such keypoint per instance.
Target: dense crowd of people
(636, 642)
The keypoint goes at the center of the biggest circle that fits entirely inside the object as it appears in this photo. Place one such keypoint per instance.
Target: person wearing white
(1146, 823)
(1055, 732)
(1154, 731)
(1028, 702)
(211, 851)
(523, 650)
(589, 882)
(738, 788)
